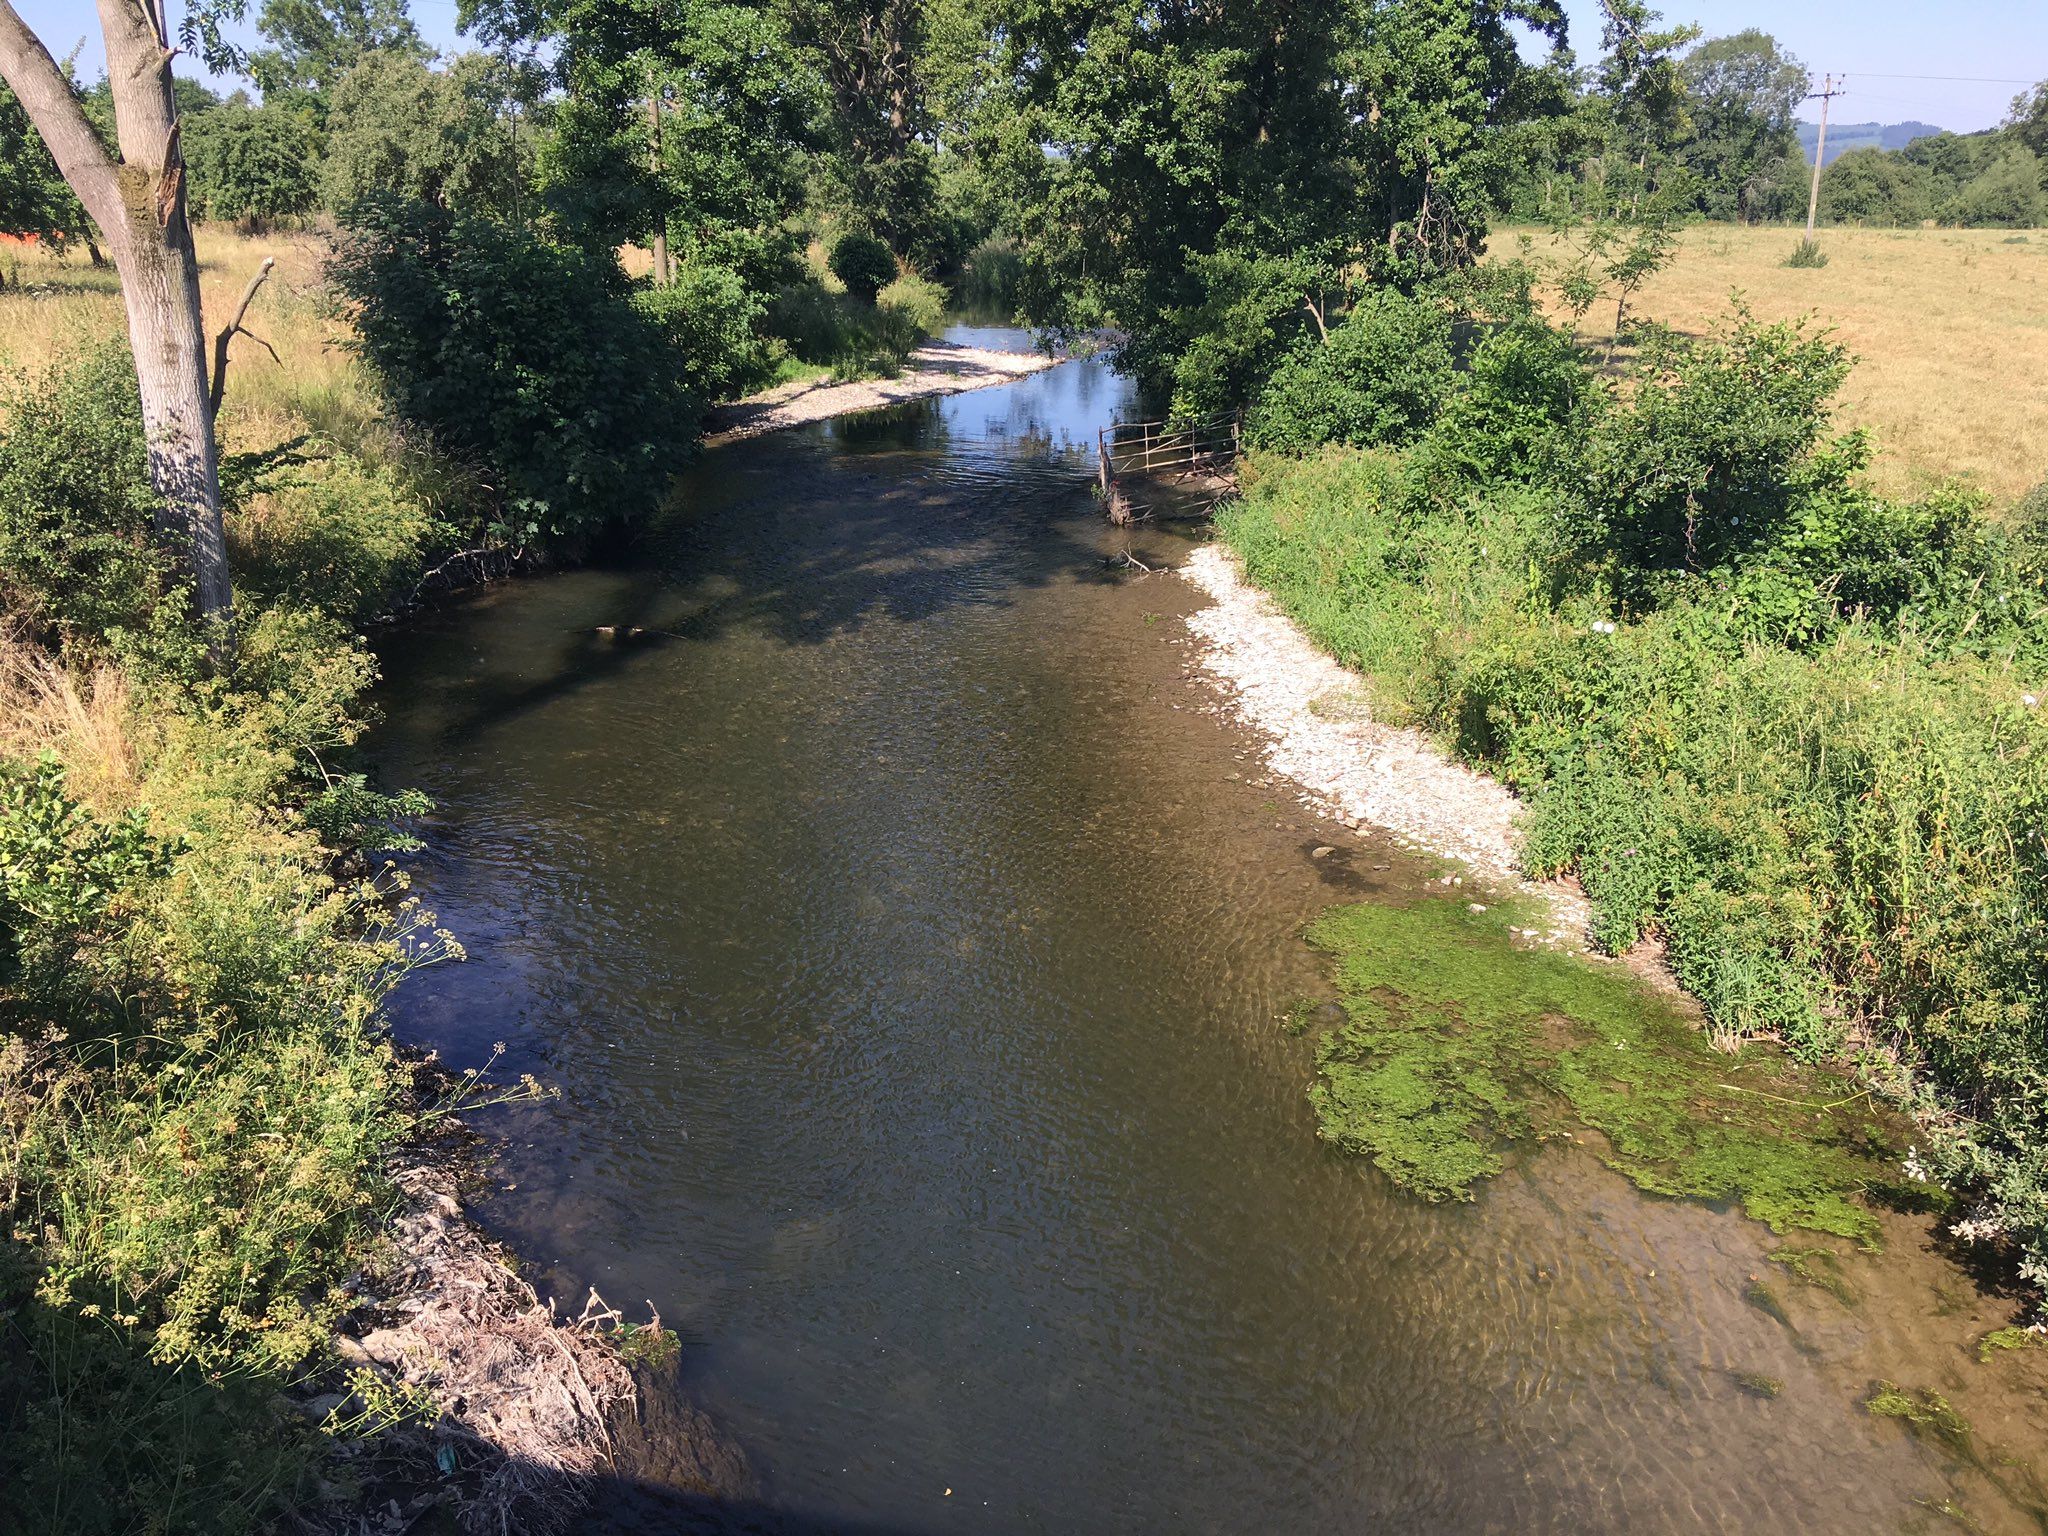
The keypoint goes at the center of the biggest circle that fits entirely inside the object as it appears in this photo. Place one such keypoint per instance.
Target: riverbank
(937, 367)
(1319, 730)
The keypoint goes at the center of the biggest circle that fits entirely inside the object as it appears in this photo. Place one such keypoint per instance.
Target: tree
(257, 164)
(315, 42)
(716, 164)
(2028, 120)
(2006, 194)
(444, 137)
(136, 194)
(1744, 149)
(1621, 224)
(1176, 164)
(35, 200)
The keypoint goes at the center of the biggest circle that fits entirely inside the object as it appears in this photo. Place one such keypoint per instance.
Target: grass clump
(2000, 1340)
(1757, 1384)
(1926, 1412)
(1807, 254)
(1455, 1044)
(1818, 1267)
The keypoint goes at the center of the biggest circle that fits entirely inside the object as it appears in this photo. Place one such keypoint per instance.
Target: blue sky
(1876, 43)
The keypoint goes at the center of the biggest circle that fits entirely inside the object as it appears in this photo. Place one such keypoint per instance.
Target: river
(910, 939)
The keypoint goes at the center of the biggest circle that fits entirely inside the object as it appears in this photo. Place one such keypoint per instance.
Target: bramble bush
(528, 358)
(1793, 728)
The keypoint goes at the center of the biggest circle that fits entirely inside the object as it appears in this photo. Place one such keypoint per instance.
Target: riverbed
(913, 941)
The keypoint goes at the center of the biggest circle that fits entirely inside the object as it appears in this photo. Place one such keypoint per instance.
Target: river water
(909, 939)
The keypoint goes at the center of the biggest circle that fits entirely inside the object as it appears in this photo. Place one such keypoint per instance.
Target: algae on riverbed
(1456, 1042)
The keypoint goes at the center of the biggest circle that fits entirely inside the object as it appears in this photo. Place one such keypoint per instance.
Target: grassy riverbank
(1786, 724)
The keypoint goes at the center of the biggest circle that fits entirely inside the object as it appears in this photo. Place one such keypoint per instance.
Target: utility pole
(1827, 93)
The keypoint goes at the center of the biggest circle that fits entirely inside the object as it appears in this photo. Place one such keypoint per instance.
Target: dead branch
(229, 331)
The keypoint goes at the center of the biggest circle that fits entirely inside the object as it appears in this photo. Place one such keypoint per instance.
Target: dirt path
(935, 368)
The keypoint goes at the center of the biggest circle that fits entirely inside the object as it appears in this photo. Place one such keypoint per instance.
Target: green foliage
(917, 303)
(397, 129)
(1813, 760)
(2006, 194)
(34, 197)
(256, 165)
(724, 172)
(525, 356)
(1518, 412)
(1725, 440)
(60, 872)
(1233, 139)
(1379, 378)
(1872, 186)
(838, 331)
(1742, 154)
(1457, 1042)
(326, 529)
(77, 557)
(710, 318)
(313, 43)
(864, 263)
(993, 280)
(196, 1101)
(1807, 254)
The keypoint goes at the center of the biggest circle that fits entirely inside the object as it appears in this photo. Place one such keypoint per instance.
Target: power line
(1951, 79)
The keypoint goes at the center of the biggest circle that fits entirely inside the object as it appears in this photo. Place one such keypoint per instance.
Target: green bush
(77, 557)
(1518, 412)
(196, 1100)
(526, 357)
(1380, 378)
(919, 302)
(325, 529)
(711, 319)
(864, 263)
(1724, 444)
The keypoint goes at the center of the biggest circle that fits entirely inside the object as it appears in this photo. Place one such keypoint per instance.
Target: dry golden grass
(84, 716)
(54, 304)
(1949, 328)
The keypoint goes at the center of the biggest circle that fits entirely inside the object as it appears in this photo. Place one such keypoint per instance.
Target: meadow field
(1949, 328)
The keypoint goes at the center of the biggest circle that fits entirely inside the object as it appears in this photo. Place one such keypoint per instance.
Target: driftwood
(234, 327)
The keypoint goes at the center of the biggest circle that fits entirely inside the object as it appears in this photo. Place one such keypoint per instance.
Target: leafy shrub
(864, 263)
(710, 317)
(1380, 378)
(1519, 410)
(528, 357)
(77, 556)
(918, 301)
(1807, 254)
(1723, 444)
(328, 530)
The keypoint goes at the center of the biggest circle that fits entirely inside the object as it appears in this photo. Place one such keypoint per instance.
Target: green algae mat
(1456, 1044)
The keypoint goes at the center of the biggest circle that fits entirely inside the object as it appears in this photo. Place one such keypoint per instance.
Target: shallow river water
(910, 939)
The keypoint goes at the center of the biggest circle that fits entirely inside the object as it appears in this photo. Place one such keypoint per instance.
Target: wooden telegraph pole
(1827, 93)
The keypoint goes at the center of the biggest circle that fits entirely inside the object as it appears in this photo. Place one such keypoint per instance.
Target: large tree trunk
(138, 201)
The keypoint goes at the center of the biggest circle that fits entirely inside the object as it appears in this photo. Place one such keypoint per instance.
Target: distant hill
(1843, 137)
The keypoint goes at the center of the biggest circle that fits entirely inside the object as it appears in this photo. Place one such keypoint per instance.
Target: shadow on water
(912, 945)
